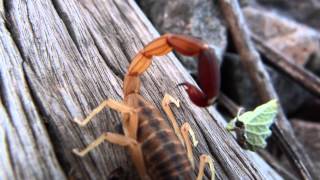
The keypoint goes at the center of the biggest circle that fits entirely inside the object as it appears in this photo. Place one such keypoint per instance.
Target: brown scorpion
(156, 151)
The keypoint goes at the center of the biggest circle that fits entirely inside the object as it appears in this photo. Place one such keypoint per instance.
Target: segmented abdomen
(164, 155)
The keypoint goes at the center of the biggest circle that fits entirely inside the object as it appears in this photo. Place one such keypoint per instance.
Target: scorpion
(157, 151)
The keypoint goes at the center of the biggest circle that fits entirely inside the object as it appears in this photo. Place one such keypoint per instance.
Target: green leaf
(257, 123)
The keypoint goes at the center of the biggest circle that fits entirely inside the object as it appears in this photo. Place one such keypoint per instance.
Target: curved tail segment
(208, 68)
(208, 78)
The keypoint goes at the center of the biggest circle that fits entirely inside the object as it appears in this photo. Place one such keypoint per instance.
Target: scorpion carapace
(156, 151)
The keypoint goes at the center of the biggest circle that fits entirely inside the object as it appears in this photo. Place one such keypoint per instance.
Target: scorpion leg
(166, 101)
(110, 137)
(118, 106)
(203, 160)
(130, 126)
(122, 140)
(186, 130)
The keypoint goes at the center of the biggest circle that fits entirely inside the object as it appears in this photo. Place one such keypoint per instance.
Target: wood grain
(25, 148)
(73, 55)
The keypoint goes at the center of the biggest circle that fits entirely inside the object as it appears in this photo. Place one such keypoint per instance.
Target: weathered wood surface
(25, 148)
(60, 59)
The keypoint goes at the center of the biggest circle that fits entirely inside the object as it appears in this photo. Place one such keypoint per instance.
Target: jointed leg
(110, 137)
(183, 133)
(184, 137)
(130, 125)
(107, 103)
(186, 130)
(167, 99)
(132, 144)
(203, 160)
(138, 161)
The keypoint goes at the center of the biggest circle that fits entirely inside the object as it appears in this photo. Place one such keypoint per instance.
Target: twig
(253, 64)
(233, 108)
(286, 65)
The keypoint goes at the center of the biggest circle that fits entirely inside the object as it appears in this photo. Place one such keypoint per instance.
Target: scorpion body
(157, 151)
(164, 154)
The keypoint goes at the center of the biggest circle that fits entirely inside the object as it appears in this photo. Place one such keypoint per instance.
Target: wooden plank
(25, 148)
(75, 55)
